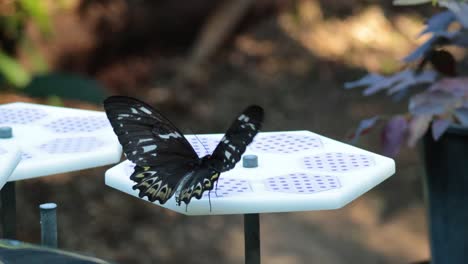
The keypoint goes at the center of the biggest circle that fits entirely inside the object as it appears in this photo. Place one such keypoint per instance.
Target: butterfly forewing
(225, 156)
(162, 155)
(147, 137)
(237, 138)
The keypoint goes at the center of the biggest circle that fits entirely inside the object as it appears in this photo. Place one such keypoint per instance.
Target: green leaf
(38, 12)
(66, 86)
(38, 63)
(54, 100)
(12, 71)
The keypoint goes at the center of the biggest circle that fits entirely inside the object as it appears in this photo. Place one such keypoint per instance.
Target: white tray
(298, 171)
(10, 156)
(57, 139)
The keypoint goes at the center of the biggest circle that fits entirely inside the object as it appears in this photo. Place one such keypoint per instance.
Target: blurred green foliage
(14, 17)
(12, 71)
(36, 80)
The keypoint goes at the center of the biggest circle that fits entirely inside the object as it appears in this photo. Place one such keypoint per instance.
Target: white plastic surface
(10, 156)
(57, 139)
(298, 171)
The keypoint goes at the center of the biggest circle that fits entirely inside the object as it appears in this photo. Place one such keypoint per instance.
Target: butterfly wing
(202, 179)
(147, 137)
(225, 156)
(237, 138)
(158, 184)
(162, 154)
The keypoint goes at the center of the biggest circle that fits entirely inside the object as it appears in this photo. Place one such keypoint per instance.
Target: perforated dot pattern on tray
(230, 187)
(130, 168)
(78, 124)
(285, 143)
(71, 145)
(20, 115)
(302, 183)
(338, 162)
(26, 156)
(205, 147)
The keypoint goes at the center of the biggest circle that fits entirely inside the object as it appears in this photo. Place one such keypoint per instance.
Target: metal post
(8, 197)
(252, 238)
(8, 214)
(49, 224)
(251, 223)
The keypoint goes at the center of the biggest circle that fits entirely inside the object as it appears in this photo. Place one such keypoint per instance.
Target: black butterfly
(165, 161)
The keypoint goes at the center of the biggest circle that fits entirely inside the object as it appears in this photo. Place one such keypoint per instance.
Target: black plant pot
(446, 187)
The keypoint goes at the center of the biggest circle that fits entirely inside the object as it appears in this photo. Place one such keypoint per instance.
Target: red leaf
(462, 115)
(364, 127)
(456, 86)
(393, 135)
(432, 103)
(369, 79)
(439, 126)
(417, 128)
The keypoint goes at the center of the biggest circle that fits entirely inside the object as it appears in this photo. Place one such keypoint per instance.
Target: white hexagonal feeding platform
(57, 139)
(298, 171)
(10, 156)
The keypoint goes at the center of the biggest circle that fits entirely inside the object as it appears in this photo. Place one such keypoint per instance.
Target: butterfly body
(166, 163)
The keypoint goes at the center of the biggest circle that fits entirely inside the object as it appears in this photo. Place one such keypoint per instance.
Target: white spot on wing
(149, 148)
(122, 116)
(243, 118)
(144, 140)
(146, 110)
(167, 136)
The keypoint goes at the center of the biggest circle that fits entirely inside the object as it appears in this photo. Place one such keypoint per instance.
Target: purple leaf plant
(444, 99)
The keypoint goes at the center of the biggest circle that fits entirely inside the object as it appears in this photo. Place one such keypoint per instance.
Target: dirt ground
(296, 72)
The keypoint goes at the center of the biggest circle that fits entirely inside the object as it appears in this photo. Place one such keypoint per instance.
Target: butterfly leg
(209, 199)
(216, 189)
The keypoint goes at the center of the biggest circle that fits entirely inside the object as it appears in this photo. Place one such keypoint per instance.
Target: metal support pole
(49, 224)
(8, 198)
(252, 238)
(251, 223)
(8, 213)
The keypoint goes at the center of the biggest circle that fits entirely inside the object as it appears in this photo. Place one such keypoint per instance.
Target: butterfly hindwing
(200, 181)
(158, 184)
(237, 138)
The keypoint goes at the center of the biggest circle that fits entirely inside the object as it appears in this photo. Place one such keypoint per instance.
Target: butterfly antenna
(206, 149)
